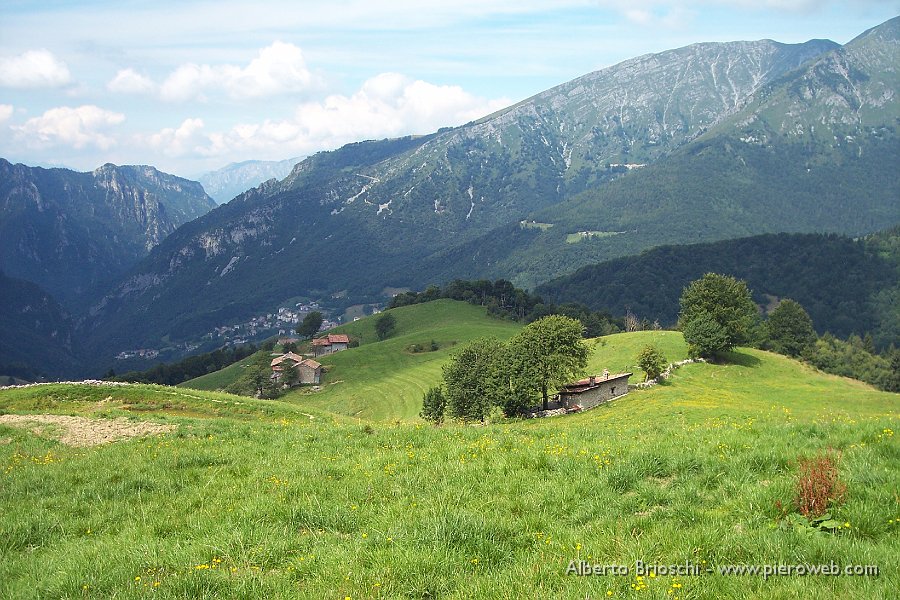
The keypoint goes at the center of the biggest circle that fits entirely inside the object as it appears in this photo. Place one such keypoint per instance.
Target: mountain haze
(233, 179)
(70, 232)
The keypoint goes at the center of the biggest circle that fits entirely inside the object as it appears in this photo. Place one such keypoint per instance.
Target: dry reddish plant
(818, 485)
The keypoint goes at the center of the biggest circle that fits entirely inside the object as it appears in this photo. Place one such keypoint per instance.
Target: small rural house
(331, 343)
(310, 371)
(592, 391)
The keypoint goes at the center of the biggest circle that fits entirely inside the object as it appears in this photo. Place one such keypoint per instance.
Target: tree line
(718, 313)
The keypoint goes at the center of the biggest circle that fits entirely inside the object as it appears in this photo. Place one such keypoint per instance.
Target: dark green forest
(847, 286)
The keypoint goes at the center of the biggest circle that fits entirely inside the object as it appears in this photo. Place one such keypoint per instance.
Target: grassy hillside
(218, 380)
(252, 498)
(385, 380)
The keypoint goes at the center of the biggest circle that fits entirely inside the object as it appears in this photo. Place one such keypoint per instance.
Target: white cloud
(129, 81)
(672, 12)
(386, 105)
(76, 127)
(186, 139)
(278, 69)
(33, 69)
(6, 111)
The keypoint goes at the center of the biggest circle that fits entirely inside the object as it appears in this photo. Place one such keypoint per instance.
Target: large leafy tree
(789, 329)
(385, 325)
(721, 300)
(310, 325)
(545, 355)
(471, 380)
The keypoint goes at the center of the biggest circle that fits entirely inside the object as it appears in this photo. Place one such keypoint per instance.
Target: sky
(190, 86)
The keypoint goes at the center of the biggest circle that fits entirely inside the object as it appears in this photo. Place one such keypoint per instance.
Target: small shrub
(434, 405)
(652, 361)
(818, 486)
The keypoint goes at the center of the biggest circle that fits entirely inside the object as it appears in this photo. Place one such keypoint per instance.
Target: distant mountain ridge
(70, 232)
(233, 179)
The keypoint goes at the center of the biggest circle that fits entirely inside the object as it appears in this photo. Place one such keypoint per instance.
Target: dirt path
(81, 431)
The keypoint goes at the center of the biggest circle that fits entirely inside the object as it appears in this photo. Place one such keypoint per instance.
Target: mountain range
(73, 233)
(703, 143)
(233, 179)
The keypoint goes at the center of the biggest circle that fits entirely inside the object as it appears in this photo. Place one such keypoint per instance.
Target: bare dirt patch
(81, 431)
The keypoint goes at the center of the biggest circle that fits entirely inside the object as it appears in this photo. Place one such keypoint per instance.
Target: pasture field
(249, 498)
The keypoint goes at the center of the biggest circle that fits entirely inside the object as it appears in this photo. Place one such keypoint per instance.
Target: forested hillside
(847, 286)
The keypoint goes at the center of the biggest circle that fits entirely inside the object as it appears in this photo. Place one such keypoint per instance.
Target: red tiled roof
(310, 363)
(338, 338)
(321, 342)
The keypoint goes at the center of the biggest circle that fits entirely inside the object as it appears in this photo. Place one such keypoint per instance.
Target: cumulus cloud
(129, 81)
(187, 138)
(33, 69)
(6, 111)
(278, 69)
(386, 105)
(78, 127)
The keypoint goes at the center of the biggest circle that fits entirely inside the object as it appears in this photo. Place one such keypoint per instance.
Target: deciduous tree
(434, 405)
(385, 325)
(310, 325)
(652, 361)
(789, 330)
(471, 380)
(545, 355)
(719, 299)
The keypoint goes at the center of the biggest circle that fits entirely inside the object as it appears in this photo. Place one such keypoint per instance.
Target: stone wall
(665, 374)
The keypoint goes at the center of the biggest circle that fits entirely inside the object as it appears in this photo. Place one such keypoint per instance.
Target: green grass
(219, 380)
(385, 380)
(535, 225)
(258, 500)
(574, 238)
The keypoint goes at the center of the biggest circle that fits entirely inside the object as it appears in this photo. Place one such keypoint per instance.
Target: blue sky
(191, 86)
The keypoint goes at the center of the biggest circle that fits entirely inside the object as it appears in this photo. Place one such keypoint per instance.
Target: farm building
(309, 370)
(331, 343)
(592, 391)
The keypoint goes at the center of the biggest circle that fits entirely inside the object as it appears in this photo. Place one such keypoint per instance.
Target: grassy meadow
(290, 499)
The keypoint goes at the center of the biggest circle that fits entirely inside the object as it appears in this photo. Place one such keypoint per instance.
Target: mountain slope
(816, 150)
(69, 231)
(366, 216)
(233, 179)
(36, 334)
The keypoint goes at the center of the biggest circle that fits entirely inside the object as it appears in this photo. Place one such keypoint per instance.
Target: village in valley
(281, 321)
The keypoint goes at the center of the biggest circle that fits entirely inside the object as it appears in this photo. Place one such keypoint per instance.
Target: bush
(433, 406)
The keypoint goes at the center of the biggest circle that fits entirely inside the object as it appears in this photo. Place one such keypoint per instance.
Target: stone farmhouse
(331, 343)
(310, 371)
(592, 391)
